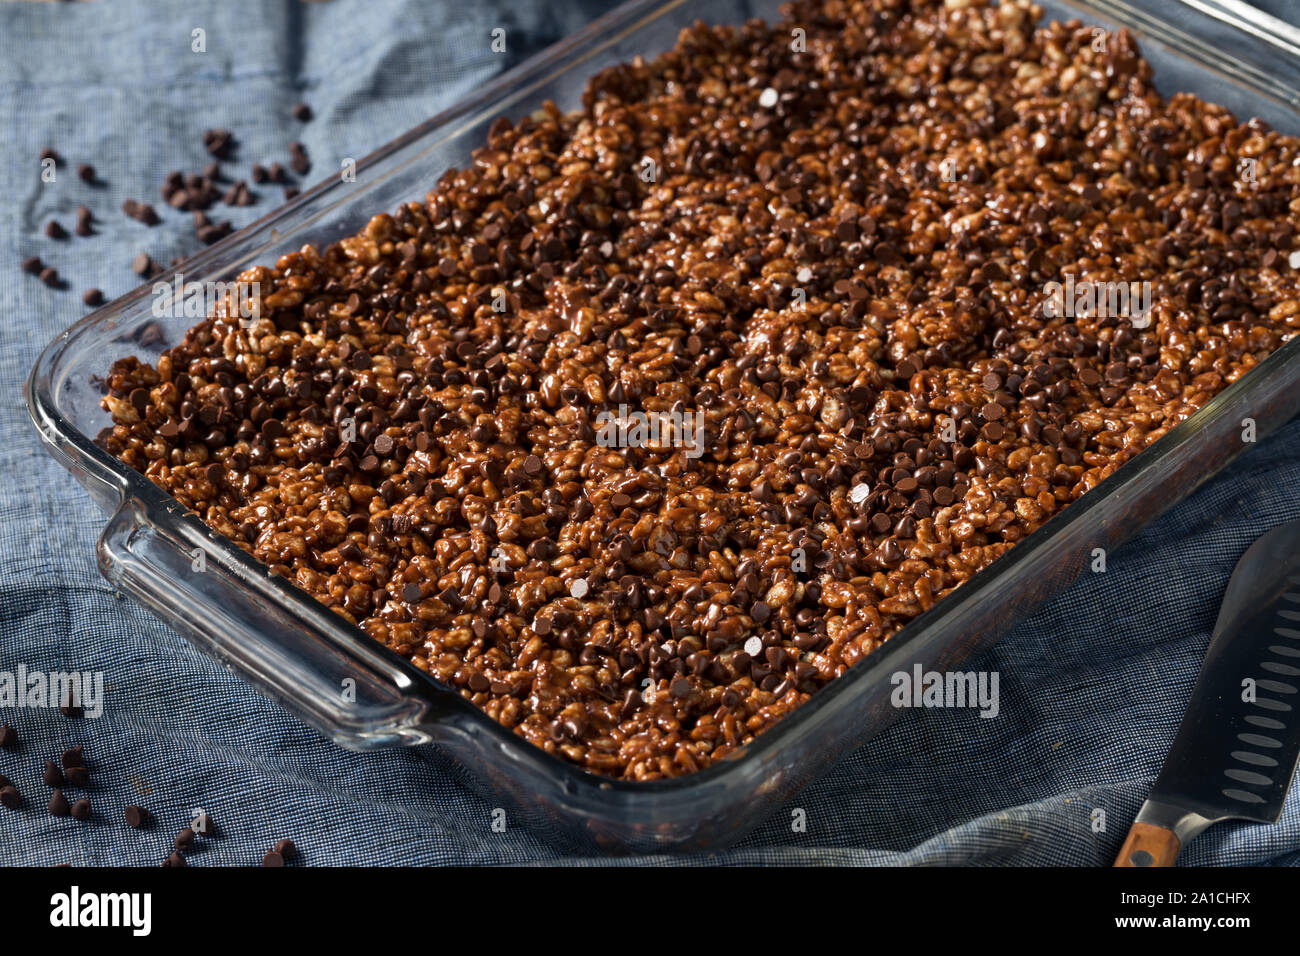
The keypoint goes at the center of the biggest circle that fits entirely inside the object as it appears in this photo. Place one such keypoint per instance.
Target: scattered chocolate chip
(272, 859)
(77, 777)
(10, 798)
(53, 776)
(238, 195)
(185, 839)
(137, 817)
(58, 805)
(32, 265)
(81, 809)
(302, 112)
(86, 172)
(215, 232)
(219, 142)
(8, 736)
(54, 230)
(298, 158)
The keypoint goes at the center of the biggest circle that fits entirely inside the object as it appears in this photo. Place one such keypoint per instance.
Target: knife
(1236, 749)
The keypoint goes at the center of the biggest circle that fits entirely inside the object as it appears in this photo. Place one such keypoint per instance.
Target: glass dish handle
(1250, 19)
(1248, 52)
(358, 699)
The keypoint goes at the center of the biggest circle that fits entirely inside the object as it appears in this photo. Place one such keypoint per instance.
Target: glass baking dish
(361, 695)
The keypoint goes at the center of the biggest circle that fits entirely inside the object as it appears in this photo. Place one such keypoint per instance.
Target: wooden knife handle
(1148, 845)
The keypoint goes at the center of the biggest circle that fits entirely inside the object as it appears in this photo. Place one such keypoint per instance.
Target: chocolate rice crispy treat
(839, 256)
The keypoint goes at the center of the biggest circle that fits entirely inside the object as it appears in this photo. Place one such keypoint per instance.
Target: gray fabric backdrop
(1092, 685)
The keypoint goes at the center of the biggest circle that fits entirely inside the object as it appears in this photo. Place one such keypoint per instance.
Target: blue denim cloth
(1093, 685)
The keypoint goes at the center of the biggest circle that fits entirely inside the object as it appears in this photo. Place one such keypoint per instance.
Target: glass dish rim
(164, 513)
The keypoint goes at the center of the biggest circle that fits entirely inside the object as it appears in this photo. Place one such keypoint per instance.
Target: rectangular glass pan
(361, 695)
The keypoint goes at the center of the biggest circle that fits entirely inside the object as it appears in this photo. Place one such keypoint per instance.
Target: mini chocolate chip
(218, 142)
(58, 805)
(137, 817)
(77, 776)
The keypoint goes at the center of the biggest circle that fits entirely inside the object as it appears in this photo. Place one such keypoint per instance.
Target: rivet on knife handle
(1149, 845)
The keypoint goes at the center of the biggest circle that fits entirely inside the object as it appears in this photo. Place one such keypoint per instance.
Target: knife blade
(1235, 752)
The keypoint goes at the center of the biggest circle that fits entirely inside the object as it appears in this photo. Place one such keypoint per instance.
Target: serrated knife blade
(1236, 749)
